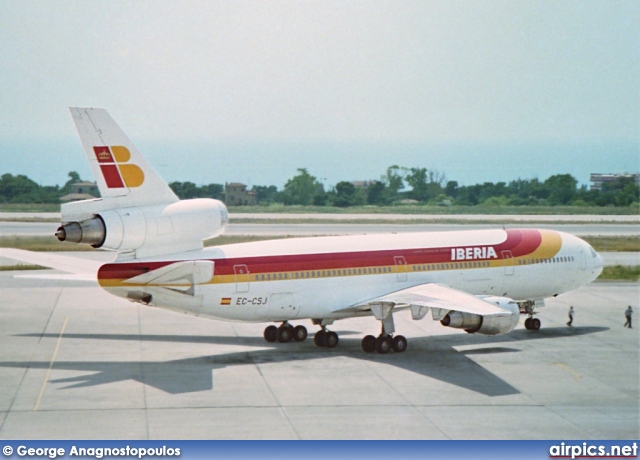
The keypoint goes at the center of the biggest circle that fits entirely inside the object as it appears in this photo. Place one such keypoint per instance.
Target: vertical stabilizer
(125, 179)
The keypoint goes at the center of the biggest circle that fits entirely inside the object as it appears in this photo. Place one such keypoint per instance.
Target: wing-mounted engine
(147, 230)
(490, 324)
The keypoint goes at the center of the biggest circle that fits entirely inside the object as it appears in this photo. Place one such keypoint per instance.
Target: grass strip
(10, 268)
(614, 243)
(620, 273)
(40, 244)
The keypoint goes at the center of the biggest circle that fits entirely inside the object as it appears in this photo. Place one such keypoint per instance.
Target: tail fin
(124, 177)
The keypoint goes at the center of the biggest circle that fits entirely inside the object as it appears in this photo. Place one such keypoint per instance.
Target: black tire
(331, 339)
(399, 343)
(318, 339)
(369, 344)
(284, 334)
(535, 324)
(383, 345)
(527, 323)
(299, 333)
(270, 333)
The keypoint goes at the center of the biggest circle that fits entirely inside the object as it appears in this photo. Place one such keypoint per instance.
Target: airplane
(479, 281)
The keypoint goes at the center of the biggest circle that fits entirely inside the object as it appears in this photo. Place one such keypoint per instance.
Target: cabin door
(242, 278)
(401, 268)
(507, 260)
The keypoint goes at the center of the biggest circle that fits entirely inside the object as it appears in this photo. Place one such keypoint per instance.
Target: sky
(250, 91)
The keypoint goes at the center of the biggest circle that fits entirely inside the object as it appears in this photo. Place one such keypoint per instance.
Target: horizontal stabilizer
(75, 265)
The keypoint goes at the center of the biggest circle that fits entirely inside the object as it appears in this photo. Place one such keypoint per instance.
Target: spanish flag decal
(225, 301)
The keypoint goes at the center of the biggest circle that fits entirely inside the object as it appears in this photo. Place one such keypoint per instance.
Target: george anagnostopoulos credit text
(97, 452)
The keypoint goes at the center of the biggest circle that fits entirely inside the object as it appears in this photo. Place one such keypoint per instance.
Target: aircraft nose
(599, 262)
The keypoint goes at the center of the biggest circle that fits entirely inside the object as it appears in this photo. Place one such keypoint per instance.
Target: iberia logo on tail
(117, 172)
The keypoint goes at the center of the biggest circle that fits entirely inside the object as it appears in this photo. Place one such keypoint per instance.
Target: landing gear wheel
(284, 334)
(527, 323)
(331, 339)
(270, 333)
(369, 344)
(399, 343)
(535, 324)
(318, 339)
(383, 345)
(299, 333)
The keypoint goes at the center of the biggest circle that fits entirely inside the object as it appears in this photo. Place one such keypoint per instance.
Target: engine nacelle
(150, 230)
(498, 323)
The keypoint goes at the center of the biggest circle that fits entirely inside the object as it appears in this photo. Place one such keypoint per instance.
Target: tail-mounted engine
(150, 230)
(498, 323)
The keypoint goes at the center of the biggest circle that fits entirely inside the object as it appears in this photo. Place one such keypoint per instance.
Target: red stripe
(519, 242)
(112, 176)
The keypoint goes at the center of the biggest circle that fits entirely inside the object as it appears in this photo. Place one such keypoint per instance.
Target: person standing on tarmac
(570, 316)
(627, 313)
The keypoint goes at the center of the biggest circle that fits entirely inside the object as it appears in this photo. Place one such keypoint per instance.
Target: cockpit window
(594, 254)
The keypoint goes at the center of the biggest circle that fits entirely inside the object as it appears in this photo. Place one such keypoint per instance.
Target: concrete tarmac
(78, 363)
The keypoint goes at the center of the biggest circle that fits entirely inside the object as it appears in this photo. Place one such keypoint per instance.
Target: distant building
(236, 194)
(362, 183)
(84, 190)
(598, 179)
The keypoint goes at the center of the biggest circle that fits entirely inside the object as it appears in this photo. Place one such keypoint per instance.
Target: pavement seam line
(142, 373)
(53, 358)
(55, 304)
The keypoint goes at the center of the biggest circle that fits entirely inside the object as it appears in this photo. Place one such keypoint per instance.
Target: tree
(426, 184)
(302, 189)
(451, 189)
(21, 189)
(375, 193)
(266, 194)
(74, 178)
(417, 180)
(345, 194)
(188, 190)
(561, 188)
(393, 182)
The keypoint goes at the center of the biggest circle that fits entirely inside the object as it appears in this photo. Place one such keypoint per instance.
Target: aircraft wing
(440, 299)
(81, 269)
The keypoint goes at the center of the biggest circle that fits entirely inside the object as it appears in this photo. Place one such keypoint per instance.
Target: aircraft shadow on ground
(431, 356)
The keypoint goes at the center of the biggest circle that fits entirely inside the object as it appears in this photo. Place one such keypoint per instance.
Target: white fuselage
(318, 277)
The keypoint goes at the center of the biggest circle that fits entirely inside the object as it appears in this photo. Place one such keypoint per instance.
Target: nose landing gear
(527, 307)
(532, 324)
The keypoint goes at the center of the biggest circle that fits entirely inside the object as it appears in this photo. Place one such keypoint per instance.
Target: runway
(78, 363)
(332, 228)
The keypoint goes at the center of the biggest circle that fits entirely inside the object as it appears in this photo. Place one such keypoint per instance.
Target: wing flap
(435, 297)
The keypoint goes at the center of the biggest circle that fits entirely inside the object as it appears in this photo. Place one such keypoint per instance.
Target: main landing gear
(528, 307)
(385, 342)
(285, 333)
(325, 338)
